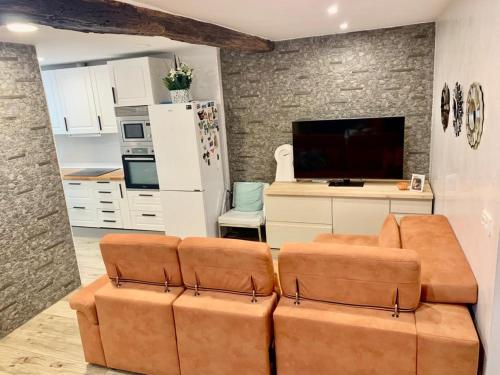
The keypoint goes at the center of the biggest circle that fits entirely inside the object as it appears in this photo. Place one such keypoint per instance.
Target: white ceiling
(271, 19)
(63, 46)
(289, 19)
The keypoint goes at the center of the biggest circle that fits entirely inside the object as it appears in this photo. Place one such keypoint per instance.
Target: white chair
(243, 219)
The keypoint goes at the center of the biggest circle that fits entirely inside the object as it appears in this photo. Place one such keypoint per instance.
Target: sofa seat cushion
(447, 340)
(446, 274)
(137, 328)
(142, 257)
(348, 274)
(347, 239)
(389, 234)
(83, 300)
(241, 218)
(320, 338)
(227, 265)
(224, 334)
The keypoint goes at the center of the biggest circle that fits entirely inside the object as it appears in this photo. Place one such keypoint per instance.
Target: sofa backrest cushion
(227, 265)
(446, 274)
(142, 257)
(389, 234)
(348, 274)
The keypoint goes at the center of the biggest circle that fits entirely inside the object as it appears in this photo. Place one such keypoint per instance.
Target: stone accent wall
(386, 72)
(37, 258)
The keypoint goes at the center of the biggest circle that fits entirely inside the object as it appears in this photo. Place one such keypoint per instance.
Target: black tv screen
(364, 148)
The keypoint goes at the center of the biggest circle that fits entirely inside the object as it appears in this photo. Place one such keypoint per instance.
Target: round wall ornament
(474, 118)
(458, 108)
(445, 106)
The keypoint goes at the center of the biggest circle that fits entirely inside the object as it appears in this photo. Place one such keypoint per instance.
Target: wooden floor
(50, 342)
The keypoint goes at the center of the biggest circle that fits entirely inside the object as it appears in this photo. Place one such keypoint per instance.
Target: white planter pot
(181, 96)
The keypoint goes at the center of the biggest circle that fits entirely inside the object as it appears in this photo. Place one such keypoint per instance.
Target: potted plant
(178, 81)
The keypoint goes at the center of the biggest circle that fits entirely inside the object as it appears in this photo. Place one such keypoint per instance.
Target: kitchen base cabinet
(145, 220)
(108, 204)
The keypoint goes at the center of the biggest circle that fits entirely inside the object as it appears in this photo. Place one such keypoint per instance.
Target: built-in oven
(140, 171)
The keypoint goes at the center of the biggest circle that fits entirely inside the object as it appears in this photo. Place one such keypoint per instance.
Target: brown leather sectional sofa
(389, 304)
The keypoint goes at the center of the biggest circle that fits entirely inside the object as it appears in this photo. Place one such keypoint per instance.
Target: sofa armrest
(83, 300)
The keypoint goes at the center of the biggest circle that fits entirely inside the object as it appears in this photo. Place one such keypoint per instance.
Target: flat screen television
(362, 148)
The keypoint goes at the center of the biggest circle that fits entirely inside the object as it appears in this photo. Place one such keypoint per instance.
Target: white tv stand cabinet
(298, 211)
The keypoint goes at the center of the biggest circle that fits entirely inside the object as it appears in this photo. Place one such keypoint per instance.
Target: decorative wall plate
(474, 118)
(445, 106)
(458, 108)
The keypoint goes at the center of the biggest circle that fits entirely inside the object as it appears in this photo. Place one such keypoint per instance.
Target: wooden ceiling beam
(114, 17)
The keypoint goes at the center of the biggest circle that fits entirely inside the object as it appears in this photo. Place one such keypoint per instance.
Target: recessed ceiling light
(40, 58)
(21, 27)
(344, 25)
(334, 9)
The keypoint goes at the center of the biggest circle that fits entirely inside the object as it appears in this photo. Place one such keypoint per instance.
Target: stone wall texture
(37, 258)
(386, 72)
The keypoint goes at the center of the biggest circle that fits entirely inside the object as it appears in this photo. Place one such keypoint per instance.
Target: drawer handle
(149, 215)
(108, 212)
(121, 192)
(109, 221)
(103, 182)
(79, 208)
(145, 195)
(107, 202)
(74, 183)
(104, 192)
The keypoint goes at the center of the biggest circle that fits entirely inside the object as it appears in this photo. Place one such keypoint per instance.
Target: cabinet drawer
(408, 206)
(106, 194)
(108, 204)
(77, 189)
(310, 210)
(81, 203)
(82, 216)
(106, 185)
(147, 220)
(110, 218)
(279, 233)
(144, 200)
(359, 215)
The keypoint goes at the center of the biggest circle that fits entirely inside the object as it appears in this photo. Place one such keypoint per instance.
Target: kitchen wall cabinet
(80, 100)
(103, 98)
(79, 109)
(138, 81)
(53, 102)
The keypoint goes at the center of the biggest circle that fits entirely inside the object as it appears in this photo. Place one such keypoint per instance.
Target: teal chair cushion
(248, 196)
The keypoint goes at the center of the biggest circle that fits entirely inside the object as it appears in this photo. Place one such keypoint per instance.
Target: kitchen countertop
(111, 176)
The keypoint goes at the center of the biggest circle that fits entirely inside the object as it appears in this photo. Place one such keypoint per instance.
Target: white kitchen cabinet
(79, 110)
(138, 81)
(103, 98)
(54, 104)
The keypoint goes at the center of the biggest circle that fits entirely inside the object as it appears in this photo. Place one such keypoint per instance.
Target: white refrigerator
(186, 144)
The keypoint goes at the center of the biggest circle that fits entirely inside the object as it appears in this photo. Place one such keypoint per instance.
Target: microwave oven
(135, 131)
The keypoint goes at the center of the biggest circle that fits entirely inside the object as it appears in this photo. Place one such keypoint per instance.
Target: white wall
(88, 152)
(467, 181)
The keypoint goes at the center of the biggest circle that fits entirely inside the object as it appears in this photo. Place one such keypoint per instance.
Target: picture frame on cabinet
(417, 182)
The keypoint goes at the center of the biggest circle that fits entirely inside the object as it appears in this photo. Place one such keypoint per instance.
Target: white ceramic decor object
(284, 163)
